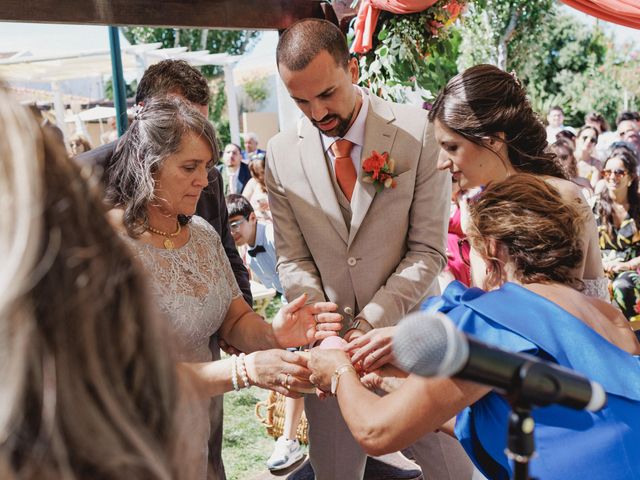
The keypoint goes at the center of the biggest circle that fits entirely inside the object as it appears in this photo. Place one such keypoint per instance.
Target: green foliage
(130, 89)
(413, 55)
(577, 67)
(494, 31)
(233, 42)
(218, 113)
(257, 92)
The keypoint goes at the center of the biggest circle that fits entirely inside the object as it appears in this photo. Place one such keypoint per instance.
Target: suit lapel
(379, 136)
(315, 168)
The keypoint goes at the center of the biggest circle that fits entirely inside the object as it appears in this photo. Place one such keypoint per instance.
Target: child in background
(261, 260)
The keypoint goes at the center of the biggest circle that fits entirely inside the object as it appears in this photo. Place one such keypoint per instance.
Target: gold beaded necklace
(168, 243)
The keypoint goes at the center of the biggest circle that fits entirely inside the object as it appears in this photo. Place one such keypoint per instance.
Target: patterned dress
(194, 286)
(622, 245)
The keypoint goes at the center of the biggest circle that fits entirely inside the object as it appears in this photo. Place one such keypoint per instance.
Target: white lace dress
(194, 286)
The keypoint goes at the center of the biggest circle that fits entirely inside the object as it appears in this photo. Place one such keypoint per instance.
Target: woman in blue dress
(525, 247)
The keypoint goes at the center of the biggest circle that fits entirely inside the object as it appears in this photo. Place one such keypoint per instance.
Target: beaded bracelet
(242, 369)
(234, 373)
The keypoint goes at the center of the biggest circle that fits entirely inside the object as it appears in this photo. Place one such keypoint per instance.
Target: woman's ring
(286, 381)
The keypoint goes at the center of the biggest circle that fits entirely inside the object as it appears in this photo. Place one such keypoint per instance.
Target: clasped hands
(369, 353)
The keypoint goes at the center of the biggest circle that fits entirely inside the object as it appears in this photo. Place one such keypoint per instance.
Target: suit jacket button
(351, 262)
(348, 310)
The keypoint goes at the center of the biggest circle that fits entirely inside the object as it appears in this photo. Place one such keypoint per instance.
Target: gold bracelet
(337, 374)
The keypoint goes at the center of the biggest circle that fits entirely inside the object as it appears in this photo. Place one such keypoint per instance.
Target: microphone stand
(520, 441)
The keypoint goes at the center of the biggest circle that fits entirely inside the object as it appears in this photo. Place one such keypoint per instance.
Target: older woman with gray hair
(160, 168)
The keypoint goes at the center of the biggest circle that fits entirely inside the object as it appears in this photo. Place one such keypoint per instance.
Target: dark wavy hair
(482, 102)
(604, 206)
(539, 230)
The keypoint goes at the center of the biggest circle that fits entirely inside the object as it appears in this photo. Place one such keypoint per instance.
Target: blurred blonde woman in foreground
(87, 386)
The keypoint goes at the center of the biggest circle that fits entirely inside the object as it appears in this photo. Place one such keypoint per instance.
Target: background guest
(588, 165)
(564, 153)
(261, 259)
(78, 144)
(256, 190)
(251, 150)
(618, 215)
(235, 174)
(555, 121)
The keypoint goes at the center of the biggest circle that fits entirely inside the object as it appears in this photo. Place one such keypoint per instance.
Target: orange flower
(375, 162)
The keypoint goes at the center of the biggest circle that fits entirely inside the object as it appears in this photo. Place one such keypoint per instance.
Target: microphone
(430, 345)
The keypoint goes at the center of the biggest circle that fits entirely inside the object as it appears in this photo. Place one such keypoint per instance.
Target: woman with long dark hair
(618, 215)
(488, 131)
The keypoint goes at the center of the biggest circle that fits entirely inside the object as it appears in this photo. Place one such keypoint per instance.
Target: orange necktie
(345, 171)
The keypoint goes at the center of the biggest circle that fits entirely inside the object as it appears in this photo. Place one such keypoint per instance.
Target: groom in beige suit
(375, 253)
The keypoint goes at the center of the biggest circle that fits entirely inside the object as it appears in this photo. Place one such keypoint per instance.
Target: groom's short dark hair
(304, 40)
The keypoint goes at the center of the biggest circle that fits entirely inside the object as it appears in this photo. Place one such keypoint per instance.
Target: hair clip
(515, 77)
(137, 111)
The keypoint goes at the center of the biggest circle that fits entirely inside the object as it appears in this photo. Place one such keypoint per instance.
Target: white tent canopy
(92, 114)
(135, 59)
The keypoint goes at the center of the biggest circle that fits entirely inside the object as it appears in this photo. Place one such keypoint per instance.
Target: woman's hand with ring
(374, 349)
(323, 364)
(279, 370)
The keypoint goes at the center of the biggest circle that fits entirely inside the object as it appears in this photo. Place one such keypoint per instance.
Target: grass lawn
(246, 446)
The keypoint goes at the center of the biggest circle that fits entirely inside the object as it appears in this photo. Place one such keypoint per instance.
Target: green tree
(494, 31)
(233, 42)
(575, 66)
(130, 89)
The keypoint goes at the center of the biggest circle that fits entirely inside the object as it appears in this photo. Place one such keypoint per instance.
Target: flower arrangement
(379, 170)
(412, 55)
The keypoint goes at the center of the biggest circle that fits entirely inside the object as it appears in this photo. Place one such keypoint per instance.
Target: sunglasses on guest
(591, 139)
(618, 173)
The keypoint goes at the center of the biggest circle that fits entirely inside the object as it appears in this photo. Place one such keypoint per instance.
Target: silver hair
(156, 134)
(251, 136)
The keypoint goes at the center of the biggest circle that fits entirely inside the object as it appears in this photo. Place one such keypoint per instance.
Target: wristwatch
(360, 324)
(335, 378)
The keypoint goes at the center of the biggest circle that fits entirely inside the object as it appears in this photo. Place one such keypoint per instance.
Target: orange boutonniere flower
(379, 170)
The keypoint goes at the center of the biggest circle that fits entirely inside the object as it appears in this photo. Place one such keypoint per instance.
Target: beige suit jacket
(386, 262)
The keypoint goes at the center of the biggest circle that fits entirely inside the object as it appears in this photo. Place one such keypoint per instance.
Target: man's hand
(299, 324)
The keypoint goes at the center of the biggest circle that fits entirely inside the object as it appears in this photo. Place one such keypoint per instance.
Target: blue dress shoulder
(570, 444)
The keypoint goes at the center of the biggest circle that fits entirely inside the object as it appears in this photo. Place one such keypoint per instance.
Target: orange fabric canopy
(622, 12)
(368, 18)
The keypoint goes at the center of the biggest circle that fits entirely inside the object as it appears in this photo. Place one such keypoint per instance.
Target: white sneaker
(285, 454)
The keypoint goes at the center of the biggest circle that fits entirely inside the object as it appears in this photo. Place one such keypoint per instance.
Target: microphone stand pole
(520, 443)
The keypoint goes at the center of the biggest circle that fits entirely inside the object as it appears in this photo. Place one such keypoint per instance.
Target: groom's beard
(340, 129)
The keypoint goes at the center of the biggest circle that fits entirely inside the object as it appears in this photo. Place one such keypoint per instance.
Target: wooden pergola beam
(226, 14)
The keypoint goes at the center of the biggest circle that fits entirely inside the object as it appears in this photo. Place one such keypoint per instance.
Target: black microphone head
(429, 344)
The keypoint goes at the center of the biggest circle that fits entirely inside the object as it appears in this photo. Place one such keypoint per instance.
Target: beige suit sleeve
(297, 270)
(426, 243)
